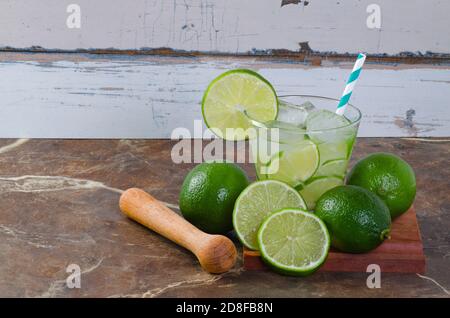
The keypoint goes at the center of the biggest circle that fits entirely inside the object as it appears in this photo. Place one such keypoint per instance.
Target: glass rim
(350, 124)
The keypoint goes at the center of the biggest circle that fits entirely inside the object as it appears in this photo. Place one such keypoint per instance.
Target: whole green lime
(358, 220)
(389, 177)
(208, 194)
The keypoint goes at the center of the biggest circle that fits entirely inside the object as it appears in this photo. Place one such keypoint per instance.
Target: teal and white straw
(351, 84)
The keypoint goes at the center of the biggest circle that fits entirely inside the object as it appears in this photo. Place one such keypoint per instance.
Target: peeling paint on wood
(286, 2)
(304, 54)
(407, 123)
(409, 27)
(86, 96)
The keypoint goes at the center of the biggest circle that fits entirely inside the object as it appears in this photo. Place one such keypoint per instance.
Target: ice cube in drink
(311, 148)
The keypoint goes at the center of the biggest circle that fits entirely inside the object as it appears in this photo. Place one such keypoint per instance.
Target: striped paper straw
(351, 84)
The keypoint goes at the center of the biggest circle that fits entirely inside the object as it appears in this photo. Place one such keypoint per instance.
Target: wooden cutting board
(403, 253)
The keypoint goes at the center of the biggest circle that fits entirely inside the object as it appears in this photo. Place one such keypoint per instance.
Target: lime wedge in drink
(333, 150)
(296, 164)
(231, 96)
(314, 189)
(258, 201)
(333, 168)
(294, 242)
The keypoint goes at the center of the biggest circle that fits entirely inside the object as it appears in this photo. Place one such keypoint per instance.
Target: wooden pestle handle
(216, 253)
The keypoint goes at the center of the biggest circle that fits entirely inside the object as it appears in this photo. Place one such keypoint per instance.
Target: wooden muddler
(216, 253)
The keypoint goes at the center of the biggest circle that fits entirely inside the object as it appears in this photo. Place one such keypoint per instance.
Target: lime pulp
(258, 201)
(294, 242)
(232, 98)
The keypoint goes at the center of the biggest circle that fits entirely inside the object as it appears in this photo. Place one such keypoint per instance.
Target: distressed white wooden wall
(86, 96)
(232, 26)
(111, 96)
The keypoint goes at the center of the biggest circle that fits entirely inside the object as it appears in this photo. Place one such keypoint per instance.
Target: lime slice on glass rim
(295, 165)
(294, 242)
(258, 201)
(317, 186)
(232, 96)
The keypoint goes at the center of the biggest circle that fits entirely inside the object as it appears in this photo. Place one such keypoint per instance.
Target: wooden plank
(231, 26)
(86, 96)
(403, 253)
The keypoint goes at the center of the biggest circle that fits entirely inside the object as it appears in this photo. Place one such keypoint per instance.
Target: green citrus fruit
(358, 220)
(233, 98)
(293, 242)
(208, 194)
(295, 165)
(257, 202)
(389, 177)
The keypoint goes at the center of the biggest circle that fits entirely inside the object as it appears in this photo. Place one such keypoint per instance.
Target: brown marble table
(59, 206)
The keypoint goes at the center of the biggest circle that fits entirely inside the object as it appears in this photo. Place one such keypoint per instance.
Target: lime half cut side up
(232, 98)
(256, 202)
(294, 242)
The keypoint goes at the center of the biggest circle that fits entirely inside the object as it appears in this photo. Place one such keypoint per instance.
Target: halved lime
(294, 242)
(333, 168)
(314, 189)
(295, 165)
(232, 93)
(258, 201)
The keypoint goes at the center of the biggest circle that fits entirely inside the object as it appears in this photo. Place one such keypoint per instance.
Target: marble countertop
(59, 206)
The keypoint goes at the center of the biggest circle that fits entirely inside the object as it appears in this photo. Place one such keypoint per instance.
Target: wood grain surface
(402, 253)
(98, 96)
(232, 26)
